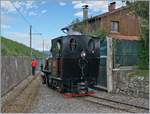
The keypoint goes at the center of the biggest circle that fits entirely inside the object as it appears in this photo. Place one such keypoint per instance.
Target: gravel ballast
(38, 98)
(50, 101)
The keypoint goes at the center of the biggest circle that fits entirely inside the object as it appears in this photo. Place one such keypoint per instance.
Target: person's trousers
(33, 70)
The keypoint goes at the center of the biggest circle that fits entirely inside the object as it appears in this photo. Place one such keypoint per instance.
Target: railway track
(116, 104)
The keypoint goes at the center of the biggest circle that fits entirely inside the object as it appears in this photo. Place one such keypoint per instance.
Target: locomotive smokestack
(85, 12)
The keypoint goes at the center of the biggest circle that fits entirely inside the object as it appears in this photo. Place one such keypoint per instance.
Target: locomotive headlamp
(83, 54)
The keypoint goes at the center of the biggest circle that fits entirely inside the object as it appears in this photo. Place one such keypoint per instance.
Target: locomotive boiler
(74, 65)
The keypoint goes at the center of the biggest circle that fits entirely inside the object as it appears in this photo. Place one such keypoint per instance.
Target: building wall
(128, 24)
(123, 83)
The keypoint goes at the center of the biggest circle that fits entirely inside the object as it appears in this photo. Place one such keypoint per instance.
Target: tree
(141, 9)
(77, 20)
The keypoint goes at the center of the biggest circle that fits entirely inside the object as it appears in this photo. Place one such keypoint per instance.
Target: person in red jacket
(34, 63)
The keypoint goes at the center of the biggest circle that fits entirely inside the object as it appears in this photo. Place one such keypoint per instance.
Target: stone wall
(13, 71)
(136, 86)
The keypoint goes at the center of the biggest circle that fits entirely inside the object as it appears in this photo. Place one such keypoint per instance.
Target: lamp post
(31, 40)
(46, 47)
(43, 49)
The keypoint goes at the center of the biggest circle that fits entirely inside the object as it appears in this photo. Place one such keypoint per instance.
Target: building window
(114, 26)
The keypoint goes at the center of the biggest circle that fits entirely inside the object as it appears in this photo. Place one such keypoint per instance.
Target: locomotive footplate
(81, 89)
(68, 95)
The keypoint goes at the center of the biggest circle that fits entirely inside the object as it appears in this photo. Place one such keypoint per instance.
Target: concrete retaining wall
(136, 86)
(14, 70)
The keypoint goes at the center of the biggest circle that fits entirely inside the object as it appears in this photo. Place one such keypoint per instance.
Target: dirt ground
(22, 102)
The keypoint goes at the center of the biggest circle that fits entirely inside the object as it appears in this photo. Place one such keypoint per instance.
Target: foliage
(99, 33)
(75, 21)
(12, 48)
(140, 73)
(143, 56)
(84, 28)
(141, 9)
(79, 27)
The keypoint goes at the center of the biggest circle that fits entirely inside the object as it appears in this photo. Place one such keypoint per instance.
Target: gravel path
(22, 96)
(50, 101)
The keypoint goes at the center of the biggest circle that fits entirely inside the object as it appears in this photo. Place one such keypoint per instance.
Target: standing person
(34, 64)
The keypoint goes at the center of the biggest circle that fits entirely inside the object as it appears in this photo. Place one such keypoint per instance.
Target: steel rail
(119, 102)
(94, 102)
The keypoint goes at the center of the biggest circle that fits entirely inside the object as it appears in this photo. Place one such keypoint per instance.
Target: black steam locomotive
(74, 65)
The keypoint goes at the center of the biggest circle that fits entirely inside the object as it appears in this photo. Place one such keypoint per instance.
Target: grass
(140, 73)
(12, 48)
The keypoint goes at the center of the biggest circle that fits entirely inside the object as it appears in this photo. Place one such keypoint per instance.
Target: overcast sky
(46, 16)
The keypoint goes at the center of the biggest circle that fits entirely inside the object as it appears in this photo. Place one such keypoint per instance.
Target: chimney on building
(112, 6)
(85, 12)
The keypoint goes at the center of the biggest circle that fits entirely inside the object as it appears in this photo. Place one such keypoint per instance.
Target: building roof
(107, 13)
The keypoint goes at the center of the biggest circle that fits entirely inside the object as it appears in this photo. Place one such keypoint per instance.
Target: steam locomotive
(74, 65)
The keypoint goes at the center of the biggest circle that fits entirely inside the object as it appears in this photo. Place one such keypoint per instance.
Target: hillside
(12, 48)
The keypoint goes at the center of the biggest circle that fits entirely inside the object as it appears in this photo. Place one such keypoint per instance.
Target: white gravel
(50, 101)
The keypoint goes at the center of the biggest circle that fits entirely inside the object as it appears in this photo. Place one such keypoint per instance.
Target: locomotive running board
(68, 95)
